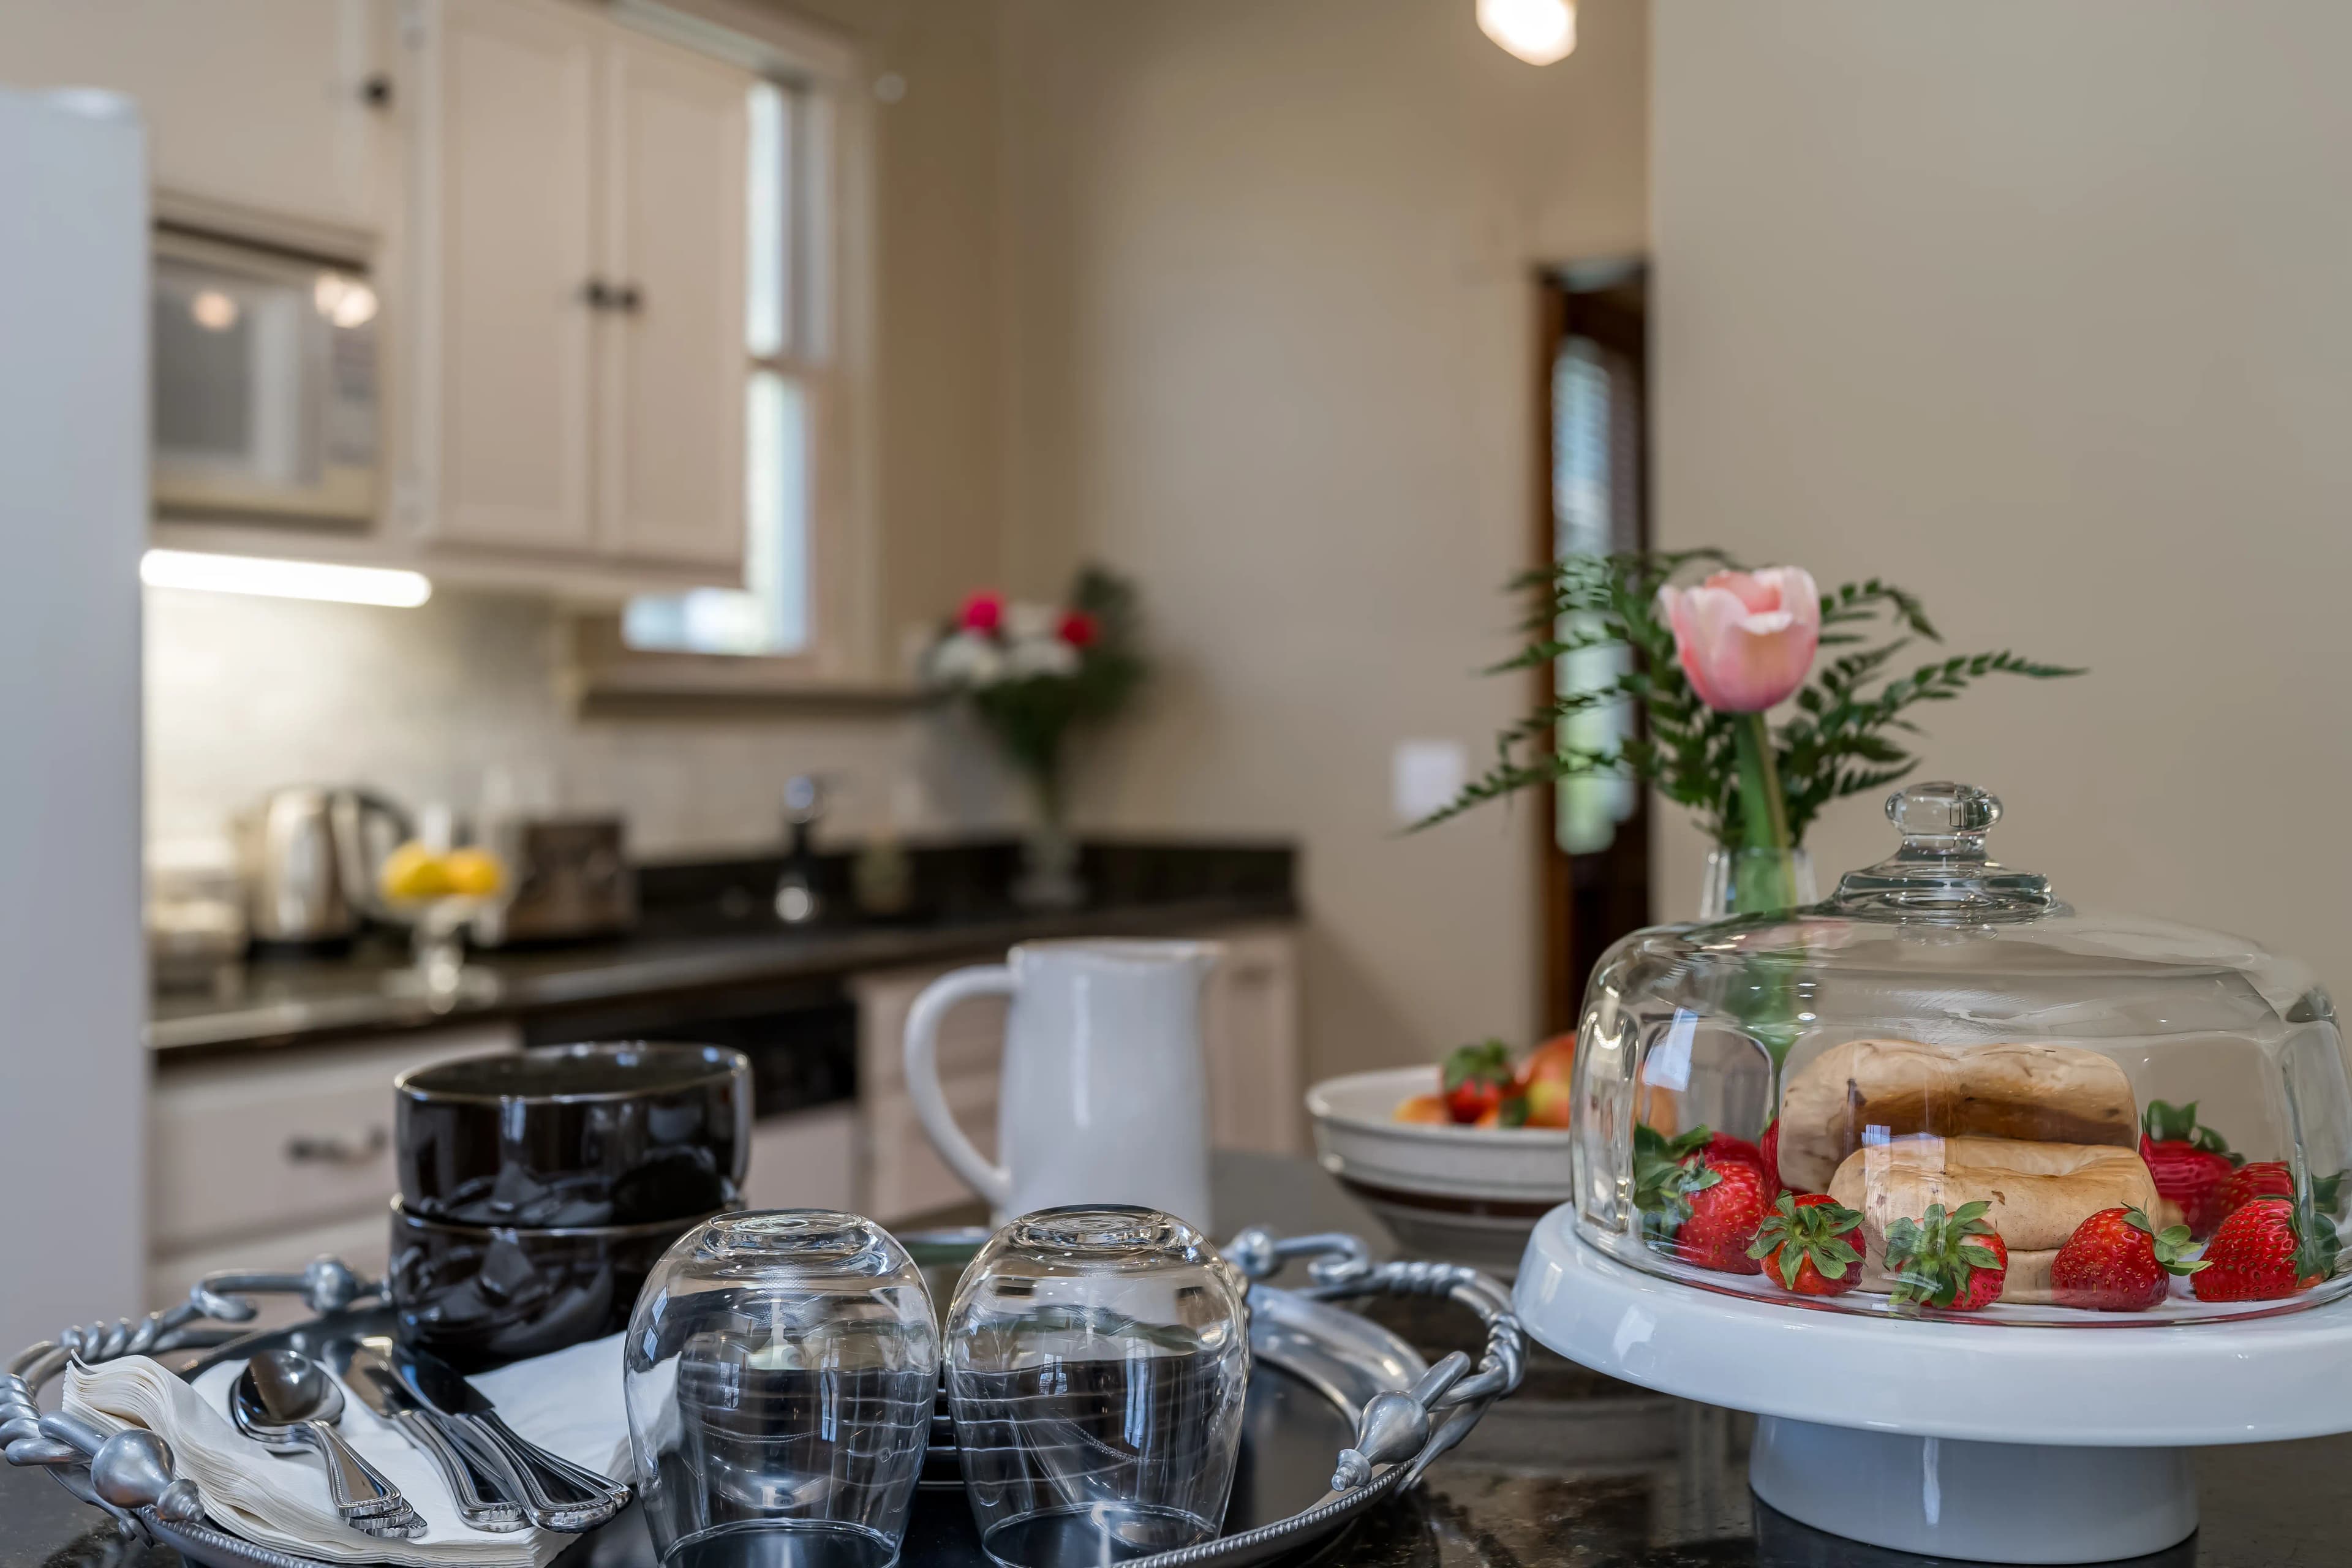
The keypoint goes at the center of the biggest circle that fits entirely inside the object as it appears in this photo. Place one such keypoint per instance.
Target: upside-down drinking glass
(780, 1370)
(1097, 1358)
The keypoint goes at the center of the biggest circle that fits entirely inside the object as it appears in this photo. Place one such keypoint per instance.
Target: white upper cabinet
(584, 222)
(509, 251)
(672, 368)
(279, 107)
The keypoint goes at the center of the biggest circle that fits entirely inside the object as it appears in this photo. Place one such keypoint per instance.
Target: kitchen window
(791, 402)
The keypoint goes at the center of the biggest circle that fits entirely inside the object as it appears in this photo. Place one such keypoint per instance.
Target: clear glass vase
(1756, 881)
(1049, 854)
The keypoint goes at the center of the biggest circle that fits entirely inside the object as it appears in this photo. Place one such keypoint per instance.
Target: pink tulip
(1746, 639)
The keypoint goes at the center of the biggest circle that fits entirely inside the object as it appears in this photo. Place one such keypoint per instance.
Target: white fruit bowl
(1464, 1194)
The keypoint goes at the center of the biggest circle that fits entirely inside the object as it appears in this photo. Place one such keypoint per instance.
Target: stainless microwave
(265, 382)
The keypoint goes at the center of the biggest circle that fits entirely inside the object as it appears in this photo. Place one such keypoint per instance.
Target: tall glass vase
(1754, 881)
(1049, 854)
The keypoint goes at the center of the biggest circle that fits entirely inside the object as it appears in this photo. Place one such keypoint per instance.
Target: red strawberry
(1723, 1146)
(1663, 1172)
(2268, 1178)
(2117, 1261)
(2262, 1179)
(2265, 1251)
(1953, 1262)
(1726, 1205)
(2188, 1161)
(1803, 1244)
(1478, 1079)
(1768, 1148)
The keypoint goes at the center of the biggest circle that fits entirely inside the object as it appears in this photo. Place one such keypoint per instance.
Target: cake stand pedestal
(1995, 1444)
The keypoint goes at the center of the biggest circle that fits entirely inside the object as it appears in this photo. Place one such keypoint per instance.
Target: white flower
(966, 659)
(1046, 655)
(1024, 621)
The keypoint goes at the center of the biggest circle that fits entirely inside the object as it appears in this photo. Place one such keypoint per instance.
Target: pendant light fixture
(1537, 31)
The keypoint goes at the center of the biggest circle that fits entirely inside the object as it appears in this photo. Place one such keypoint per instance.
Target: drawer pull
(303, 1150)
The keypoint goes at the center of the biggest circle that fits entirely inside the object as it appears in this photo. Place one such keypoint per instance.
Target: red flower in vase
(984, 612)
(1077, 628)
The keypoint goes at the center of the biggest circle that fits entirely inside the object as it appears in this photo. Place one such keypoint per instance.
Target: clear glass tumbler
(780, 1369)
(1098, 1359)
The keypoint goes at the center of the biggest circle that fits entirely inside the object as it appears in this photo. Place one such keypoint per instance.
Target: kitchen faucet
(797, 902)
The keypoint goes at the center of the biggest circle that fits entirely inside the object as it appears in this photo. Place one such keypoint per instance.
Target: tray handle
(1413, 1428)
(128, 1473)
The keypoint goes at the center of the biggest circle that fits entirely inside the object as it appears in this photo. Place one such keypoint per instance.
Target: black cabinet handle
(376, 91)
(595, 295)
(302, 1149)
(628, 298)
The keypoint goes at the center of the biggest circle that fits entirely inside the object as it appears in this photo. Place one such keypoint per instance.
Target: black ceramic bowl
(567, 1136)
(479, 1296)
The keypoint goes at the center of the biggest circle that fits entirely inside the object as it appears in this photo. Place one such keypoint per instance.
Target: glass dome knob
(1942, 810)
(1941, 871)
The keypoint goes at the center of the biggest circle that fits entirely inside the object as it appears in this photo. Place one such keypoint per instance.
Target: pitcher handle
(993, 1183)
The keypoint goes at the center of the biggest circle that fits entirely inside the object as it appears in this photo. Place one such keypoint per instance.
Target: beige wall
(2041, 309)
(1273, 346)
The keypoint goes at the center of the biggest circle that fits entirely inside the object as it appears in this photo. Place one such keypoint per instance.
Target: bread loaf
(2050, 1093)
(2037, 1192)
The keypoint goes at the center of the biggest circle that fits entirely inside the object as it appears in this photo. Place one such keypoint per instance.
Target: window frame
(832, 359)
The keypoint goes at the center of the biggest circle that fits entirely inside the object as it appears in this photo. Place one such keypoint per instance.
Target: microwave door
(264, 403)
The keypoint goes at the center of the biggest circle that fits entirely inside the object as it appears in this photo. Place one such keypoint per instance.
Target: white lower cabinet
(263, 1160)
(808, 1161)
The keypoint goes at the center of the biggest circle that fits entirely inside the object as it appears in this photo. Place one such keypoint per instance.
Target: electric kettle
(309, 855)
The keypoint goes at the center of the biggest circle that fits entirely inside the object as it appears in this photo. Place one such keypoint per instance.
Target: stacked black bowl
(537, 1188)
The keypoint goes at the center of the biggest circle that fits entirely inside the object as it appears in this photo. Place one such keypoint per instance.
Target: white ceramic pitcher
(1104, 1095)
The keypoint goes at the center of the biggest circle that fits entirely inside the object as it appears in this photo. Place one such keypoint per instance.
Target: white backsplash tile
(245, 694)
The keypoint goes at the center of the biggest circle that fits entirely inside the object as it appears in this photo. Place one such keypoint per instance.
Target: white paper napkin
(568, 1402)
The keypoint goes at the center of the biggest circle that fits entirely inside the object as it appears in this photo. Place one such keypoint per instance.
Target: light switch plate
(1425, 775)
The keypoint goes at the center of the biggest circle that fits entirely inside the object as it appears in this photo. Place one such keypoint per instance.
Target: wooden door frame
(1560, 961)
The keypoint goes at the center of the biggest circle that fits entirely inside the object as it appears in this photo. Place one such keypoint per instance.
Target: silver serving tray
(1325, 1381)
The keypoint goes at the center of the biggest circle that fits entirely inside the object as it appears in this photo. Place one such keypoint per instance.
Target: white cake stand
(1990, 1443)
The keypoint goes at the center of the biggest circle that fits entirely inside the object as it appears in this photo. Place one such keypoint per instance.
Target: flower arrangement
(1033, 673)
(1705, 663)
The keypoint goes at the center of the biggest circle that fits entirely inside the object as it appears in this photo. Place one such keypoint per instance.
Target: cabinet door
(673, 371)
(257, 103)
(805, 1162)
(509, 241)
(904, 1173)
(284, 1140)
(1251, 1021)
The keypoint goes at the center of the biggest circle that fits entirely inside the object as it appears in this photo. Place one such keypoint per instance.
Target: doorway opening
(1594, 497)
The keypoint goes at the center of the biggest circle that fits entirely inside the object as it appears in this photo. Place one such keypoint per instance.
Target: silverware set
(284, 1402)
(500, 1481)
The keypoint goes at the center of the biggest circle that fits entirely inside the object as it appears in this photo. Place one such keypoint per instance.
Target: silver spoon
(287, 1403)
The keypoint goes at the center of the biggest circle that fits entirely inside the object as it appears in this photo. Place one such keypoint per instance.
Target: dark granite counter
(707, 928)
(1575, 1471)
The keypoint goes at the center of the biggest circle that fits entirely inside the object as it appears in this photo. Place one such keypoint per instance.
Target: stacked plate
(537, 1188)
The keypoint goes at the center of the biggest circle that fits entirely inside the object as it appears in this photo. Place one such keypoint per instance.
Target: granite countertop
(295, 1001)
(1574, 1471)
(706, 926)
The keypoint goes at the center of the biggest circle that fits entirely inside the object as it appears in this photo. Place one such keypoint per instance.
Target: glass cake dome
(1941, 1093)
